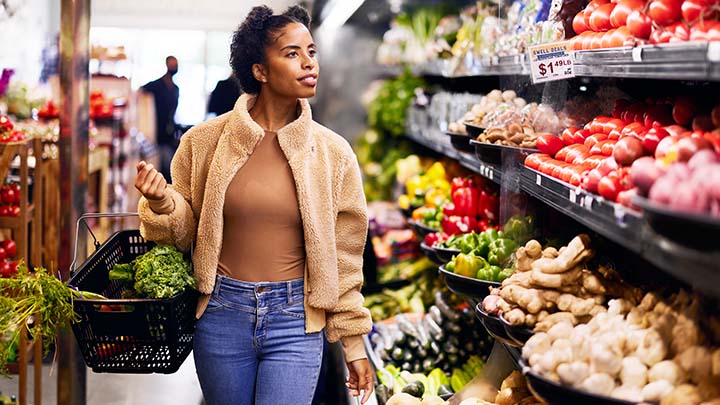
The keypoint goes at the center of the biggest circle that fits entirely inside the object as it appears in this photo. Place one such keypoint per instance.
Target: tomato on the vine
(619, 15)
(600, 17)
(579, 23)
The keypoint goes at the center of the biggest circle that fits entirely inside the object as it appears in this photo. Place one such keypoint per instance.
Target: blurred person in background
(274, 204)
(223, 98)
(166, 94)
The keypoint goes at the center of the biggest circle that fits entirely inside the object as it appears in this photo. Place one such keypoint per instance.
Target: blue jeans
(251, 347)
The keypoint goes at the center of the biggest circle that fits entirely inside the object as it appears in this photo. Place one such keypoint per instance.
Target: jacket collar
(242, 133)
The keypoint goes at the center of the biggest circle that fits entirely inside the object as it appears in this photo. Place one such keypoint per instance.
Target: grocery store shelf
(614, 221)
(678, 61)
(623, 225)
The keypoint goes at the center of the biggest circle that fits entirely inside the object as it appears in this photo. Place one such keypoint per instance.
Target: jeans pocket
(295, 310)
(213, 305)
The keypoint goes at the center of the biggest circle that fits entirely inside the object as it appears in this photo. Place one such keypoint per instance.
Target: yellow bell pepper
(436, 172)
(415, 184)
(418, 213)
(404, 202)
(434, 197)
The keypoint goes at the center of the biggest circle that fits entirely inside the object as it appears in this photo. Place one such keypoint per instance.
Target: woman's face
(291, 69)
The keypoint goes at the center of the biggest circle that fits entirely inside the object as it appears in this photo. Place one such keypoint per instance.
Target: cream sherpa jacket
(332, 208)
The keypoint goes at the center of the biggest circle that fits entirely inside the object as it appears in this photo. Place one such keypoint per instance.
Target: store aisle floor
(181, 388)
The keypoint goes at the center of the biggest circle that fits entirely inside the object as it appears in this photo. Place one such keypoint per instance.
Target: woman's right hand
(150, 182)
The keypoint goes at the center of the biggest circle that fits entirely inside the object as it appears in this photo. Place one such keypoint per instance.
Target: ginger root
(548, 280)
(551, 320)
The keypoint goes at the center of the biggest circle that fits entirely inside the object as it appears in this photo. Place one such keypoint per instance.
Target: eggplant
(421, 352)
(415, 388)
(445, 309)
(436, 315)
(386, 334)
(445, 390)
(413, 344)
(453, 359)
(406, 366)
(382, 393)
(397, 354)
(407, 356)
(453, 328)
(423, 335)
(434, 348)
(434, 330)
(427, 365)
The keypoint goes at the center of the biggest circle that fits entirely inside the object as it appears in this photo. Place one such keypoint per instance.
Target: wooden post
(22, 366)
(37, 366)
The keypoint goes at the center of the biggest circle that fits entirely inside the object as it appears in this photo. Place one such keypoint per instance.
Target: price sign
(550, 62)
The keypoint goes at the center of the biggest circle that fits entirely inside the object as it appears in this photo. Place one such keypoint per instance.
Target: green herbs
(160, 273)
(387, 112)
(37, 296)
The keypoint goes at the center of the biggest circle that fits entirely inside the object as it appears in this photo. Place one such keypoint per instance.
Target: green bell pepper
(505, 274)
(484, 274)
(494, 272)
(468, 242)
(450, 266)
(468, 265)
(501, 250)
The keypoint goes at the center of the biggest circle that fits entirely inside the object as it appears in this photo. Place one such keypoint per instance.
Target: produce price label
(550, 62)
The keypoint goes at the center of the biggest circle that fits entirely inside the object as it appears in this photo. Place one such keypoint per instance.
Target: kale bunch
(160, 273)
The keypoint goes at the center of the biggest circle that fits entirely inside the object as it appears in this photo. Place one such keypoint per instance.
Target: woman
(274, 204)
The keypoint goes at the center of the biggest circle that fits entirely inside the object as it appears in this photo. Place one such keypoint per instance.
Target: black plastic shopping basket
(129, 335)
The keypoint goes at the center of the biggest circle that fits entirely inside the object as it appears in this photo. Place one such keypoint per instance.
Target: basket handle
(83, 219)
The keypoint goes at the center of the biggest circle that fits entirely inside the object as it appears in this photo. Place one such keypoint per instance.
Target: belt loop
(289, 291)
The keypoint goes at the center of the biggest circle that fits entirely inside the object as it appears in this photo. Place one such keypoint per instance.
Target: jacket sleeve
(172, 221)
(349, 320)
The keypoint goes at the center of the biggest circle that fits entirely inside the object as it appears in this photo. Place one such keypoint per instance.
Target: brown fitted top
(262, 231)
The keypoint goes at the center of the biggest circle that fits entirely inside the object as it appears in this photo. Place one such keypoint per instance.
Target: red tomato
(566, 172)
(16, 188)
(574, 151)
(600, 18)
(613, 124)
(681, 32)
(597, 125)
(562, 153)
(7, 194)
(590, 180)
(633, 129)
(702, 123)
(665, 12)
(556, 171)
(3, 253)
(715, 116)
(639, 25)
(594, 160)
(652, 138)
(581, 135)
(620, 13)
(608, 188)
(603, 148)
(607, 166)
(684, 110)
(549, 144)
(594, 4)
(568, 136)
(5, 268)
(547, 166)
(580, 159)
(579, 23)
(10, 247)
(620, 105)
(14, 210)
(533, 160)
(692, 9)
(594, 139)
(675, 130)
(658, 115)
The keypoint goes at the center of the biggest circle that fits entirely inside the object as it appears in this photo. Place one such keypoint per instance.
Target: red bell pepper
(466, 201)
(488, 206)
(483, 225)
(449, 210)
(456, 225)
(458, 182)
(434, 238)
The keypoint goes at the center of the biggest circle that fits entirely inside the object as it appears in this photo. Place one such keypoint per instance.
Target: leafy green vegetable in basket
(160, 273)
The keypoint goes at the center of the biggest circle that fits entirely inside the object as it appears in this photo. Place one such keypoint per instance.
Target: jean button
(263, 289)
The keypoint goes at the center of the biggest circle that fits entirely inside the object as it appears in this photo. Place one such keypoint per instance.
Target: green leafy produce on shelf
(519, 228)
(162, 272)
(388, 111)
(38, 296)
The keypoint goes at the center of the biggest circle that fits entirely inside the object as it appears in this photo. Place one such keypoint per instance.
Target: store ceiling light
(337, 12)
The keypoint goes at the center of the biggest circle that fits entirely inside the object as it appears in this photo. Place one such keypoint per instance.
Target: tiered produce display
(631, 165)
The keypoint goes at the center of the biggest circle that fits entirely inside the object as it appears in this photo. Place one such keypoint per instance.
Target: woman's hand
(150, 182)
(361, 378)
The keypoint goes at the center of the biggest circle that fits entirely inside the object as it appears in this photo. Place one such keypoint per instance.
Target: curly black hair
(254, 35)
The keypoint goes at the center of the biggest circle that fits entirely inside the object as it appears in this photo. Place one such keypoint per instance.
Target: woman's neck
(272, 113)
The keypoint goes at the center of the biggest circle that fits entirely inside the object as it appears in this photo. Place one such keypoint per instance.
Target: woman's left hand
(361, 378)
